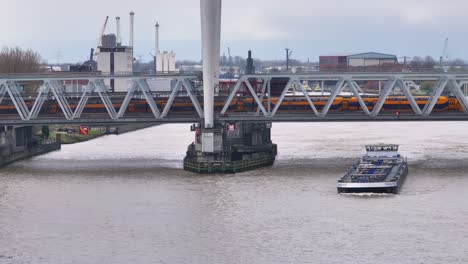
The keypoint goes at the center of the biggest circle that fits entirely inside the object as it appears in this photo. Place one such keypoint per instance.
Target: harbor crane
(444, 57)
(288, 56)
(103, 30)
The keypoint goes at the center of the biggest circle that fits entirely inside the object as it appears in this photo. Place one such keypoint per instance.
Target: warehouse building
(369, 60)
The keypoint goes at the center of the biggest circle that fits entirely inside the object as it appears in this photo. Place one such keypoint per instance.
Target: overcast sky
(308, 27)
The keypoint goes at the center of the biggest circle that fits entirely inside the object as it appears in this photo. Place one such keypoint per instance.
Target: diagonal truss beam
(128, 97)
(435, 95)
(99, 87)
(232, 95)
(355, 90)
(406, 91)
(281, 99)
(336, 91)
(57, 90)
(191, 92)
(264, 90)
(13, 91)
(455, 88)
(42, 96)
(307, 96)
(254, 95)
(142, 84)
(3, 91)
(171, 99)
(389, 86)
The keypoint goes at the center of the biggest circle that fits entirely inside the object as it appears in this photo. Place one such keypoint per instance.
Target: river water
(124, 199)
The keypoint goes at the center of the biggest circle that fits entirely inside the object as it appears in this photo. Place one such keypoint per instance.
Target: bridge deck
(283, 118)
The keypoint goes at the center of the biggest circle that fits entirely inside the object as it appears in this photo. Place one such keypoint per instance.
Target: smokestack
(250, 68)
(156, 48)
(132, 28)
(211, 38)
(119, 36)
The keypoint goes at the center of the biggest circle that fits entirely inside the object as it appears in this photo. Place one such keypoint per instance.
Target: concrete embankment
(28, 153)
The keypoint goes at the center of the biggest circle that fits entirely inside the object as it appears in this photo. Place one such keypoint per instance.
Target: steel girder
(349, 81)
(52, 88)
(183, 83)
(142, 86)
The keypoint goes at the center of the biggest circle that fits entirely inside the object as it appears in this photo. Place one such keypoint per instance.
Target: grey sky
(308, 27)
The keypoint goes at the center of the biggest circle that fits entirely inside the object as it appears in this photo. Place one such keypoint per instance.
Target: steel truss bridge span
(257, 87)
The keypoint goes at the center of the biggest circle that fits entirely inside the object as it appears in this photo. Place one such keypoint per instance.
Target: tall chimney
(119, 36)
(132, 28)
(156, 48)
(156, 51)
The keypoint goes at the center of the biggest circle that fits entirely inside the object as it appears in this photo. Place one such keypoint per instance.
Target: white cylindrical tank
(166, 62)
(172, 62)
(211, 38)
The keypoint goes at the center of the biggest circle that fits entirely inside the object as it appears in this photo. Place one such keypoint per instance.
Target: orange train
(245, 104)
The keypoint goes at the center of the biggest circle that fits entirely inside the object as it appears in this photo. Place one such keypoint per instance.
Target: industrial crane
(444, 58)
(229, 57)
(103, 31)
(288, 57)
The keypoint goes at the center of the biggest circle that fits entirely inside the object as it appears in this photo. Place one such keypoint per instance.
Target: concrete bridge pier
(15, 139)
(230, 148)
(221, 147)
(19, 142)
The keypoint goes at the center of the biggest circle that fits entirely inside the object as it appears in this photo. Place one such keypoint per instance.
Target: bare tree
(457, 62)
(17, 60)
(416, 62)
(429, 62)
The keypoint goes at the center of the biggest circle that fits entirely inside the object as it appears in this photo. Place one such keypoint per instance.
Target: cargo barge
(381, 170)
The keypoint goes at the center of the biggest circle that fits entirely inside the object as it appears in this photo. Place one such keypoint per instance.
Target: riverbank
(72, 136)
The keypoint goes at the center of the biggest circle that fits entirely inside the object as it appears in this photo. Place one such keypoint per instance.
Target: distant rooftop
(372, 55)
(366, 55)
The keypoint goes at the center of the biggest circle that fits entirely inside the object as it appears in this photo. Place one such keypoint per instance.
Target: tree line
(17, 60)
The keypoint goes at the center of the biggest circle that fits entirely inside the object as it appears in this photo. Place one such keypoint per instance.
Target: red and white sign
(84, 130)
(231, 127)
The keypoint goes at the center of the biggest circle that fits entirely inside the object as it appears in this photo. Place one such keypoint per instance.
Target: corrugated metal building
(354, 61)
(371, 59)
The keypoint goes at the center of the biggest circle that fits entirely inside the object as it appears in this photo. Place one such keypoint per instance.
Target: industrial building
(369, 60)
(115, 58)
(165, 62)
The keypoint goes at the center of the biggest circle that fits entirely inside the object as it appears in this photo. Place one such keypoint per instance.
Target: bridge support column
(19, 143)
(230, 148)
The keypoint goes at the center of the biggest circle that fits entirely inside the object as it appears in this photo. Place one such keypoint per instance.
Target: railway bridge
(231, 130)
